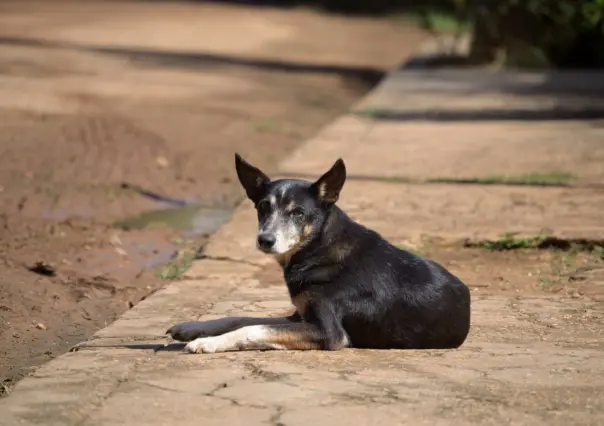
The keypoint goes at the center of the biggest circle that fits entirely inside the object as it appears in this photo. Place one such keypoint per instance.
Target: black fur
(381, 296)
(353, 284)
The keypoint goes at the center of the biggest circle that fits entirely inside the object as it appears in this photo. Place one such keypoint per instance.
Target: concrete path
(535, 360)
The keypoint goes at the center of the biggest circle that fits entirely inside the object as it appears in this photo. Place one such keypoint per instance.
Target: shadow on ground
(344, 7)
(366, 75)
(157, 347)
(519, 96)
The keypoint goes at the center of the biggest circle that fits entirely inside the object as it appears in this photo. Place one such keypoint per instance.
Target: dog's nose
(266, 241)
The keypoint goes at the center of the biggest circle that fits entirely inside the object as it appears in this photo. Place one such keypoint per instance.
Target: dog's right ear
(327, 188)
(252, 179)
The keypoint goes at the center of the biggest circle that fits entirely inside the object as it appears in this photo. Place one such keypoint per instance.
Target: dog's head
(290, 212)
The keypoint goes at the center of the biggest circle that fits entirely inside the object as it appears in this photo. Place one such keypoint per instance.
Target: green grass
(598, 252)
(548, 282)
(374, 112)
(178, 266)
(273, 125)
(395, 179)
(433, 20)
(541, 241)
(554, 178)
(564, 263)
(510, 242)
(267, 124)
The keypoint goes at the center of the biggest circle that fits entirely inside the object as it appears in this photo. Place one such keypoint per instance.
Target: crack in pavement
(229, 259)
(98, 404)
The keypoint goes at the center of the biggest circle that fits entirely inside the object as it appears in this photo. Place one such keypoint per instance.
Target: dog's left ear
(327, 188)
(252, 179)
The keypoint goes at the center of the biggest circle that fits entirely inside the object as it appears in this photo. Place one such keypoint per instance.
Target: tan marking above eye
(307, 230)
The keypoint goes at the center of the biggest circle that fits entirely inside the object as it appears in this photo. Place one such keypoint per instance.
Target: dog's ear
(252, 179)
(327, 188)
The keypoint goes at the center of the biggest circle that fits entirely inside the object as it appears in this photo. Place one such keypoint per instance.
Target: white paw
(204, 345)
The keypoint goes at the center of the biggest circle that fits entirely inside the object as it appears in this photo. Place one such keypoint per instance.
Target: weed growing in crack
(374, 112)
(598, 252)
(554, 178)
(178, 266)
(509, 242)
(548, 282)
(541, 241)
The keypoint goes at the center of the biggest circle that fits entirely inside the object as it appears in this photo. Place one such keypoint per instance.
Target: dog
(350, 287)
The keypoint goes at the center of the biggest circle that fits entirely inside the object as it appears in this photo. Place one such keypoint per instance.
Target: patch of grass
(548, 282)
(510, 242)
(543, 241)
(111, 195)
(598, 251)
(272, 125)
(434, 20)
(570, 260)
(180, 241)
(396, 179)
(374, 112)
(269, 125)
(178, 266)
(554, 178)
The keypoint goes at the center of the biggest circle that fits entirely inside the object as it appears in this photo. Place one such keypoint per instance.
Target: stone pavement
(527, 361)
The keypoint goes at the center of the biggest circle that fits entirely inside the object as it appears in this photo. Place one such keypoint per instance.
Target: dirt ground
(88, 138)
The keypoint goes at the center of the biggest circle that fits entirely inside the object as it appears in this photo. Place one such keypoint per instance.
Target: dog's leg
(187, 331)
(292, 336)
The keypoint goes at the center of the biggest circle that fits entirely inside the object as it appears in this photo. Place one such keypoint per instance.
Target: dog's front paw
(204, 345)
(187, 331)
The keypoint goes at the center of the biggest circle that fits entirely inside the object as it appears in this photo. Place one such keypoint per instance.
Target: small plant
(547, 282)
(178, 266)
(510, 242)
(374, 112)
(598, 251)
(268, 124)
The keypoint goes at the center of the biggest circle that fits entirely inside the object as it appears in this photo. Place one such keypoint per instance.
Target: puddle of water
(151, 250)
(191, 220)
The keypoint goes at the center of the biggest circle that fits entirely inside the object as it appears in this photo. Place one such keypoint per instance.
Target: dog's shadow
(158, 347)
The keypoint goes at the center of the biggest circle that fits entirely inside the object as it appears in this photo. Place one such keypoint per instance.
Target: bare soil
(83, 134)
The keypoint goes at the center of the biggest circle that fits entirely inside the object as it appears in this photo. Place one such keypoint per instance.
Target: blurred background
(119, 120)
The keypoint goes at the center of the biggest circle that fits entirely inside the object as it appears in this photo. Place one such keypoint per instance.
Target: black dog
(350, 287)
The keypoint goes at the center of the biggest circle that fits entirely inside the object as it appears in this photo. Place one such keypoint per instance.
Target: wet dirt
(110, 164)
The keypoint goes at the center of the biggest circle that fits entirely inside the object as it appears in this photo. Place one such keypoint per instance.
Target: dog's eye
(263, 207)
(297, 212)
